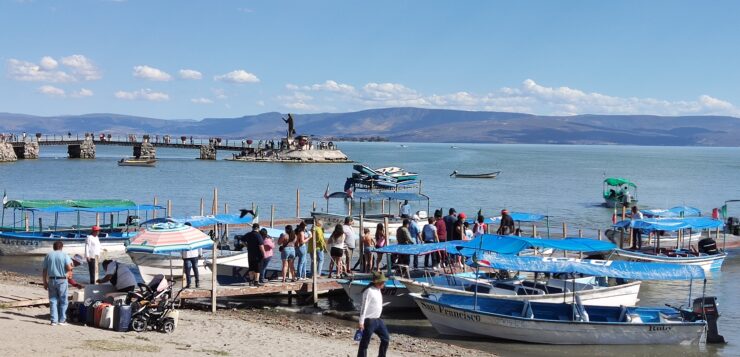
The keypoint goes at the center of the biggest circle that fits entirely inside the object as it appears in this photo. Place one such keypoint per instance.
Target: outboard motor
(707, 306)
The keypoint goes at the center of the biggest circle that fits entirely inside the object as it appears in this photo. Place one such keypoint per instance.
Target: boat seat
(46, 234)
(71, 235)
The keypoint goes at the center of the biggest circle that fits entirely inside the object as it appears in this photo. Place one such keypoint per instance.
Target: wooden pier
(298, 287)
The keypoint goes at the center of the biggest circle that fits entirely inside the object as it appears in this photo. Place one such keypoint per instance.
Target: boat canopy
(202, 221)
(29, 204)
(618, 181)
(610, 268)
(671, 224)
(501, 244)
(99, 209)
(383, 195)
(678, 211)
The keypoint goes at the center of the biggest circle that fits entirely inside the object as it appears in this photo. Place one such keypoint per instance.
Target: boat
(572, 323)
(616, 193)
(230, 264)
(395, 294)
(39, 239)
(397, 173)
(487, 175)
(683, 252)
(132, 161)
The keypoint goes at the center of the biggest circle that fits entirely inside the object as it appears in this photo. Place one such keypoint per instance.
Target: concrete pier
(208, 152)
(85, 150)
(7, 152)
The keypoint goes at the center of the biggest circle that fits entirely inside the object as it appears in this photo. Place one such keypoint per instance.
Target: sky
(230, 58)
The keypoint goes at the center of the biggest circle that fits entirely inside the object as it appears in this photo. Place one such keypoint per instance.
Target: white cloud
(83, 92)
(143, 94)
(201, 100)
(32, 72)
(51, 91)
(529, 97)
(48, 63)
(82, 67)
(190, 74)
(238, 76)
(151, 73)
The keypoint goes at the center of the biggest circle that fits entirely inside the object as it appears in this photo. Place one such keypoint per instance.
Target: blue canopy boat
(574, 322)
(711, 261)
(35, 240)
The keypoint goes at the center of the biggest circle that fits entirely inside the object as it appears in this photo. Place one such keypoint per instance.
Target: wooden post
(214, 268)
(580, 233)
(349, 210)
(97, 219)
(630, 238)
(382, 207)
(598, 233)
(154, 212)
(565, 230)
(624, 212)
(298, 202)
(272, 216)
(621, 239)
(202, 207)
(315, 269)
(169, 208)
(313, 207)
(534, 230)
(226, 226)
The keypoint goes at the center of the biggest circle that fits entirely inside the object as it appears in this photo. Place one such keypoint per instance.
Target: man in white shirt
(405, 209)
(349, 241)
(92, 253)
(370, 311)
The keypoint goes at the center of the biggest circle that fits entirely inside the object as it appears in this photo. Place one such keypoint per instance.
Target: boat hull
(395, 294)
(620, 295)
(25, 243)
(489, 175)
(151, 265)
(707, 262)
(451, 320)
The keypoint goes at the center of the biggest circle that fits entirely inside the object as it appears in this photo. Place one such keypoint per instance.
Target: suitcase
(99, 311)
(73, 312)
(90, 313)
(82, 314)
(122, 318)
(106, 320)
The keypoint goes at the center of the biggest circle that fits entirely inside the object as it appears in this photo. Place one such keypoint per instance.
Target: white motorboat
(229, 263)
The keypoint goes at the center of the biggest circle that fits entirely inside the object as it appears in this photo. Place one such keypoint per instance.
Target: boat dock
(243, 290)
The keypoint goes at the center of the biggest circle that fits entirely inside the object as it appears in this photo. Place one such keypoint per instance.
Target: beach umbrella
(168, 238)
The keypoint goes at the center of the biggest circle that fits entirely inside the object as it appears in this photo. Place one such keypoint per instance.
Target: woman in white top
(336, 249)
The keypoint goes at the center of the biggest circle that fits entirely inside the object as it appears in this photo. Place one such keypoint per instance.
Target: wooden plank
(23, 303)
(11, 298)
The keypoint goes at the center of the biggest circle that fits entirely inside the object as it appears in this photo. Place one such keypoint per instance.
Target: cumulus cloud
(142, 94)
(151, 73)
(190, 74)
(238, 76)
(529, 97)
(83, 92)
(201, 100)
(51, 91)
(74, 68)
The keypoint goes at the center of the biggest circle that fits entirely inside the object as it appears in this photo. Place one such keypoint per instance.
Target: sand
(255, 332)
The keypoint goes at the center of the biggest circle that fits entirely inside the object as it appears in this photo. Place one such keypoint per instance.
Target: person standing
(190, 262)
(92, 253)
(381, 240)
(636, 232)
(57, 268)
(415, 236)
(368, 243)
(403, 236)
(336, 250)
(255, 253)
(301, 251)
(507, 226)
(429, 234)
(318, 234)
(119, 275)
(269, 248)
(349, 241)
(370, 322)
(287, 252)
(405, 209)
(442, 236)
(450, 221)
(480, 228)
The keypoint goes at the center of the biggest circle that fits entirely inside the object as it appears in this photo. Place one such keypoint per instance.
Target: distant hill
(415, 125)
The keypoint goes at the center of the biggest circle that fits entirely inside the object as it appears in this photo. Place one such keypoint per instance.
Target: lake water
(563, 182)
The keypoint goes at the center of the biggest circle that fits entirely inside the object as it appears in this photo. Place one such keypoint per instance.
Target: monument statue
(291, 128)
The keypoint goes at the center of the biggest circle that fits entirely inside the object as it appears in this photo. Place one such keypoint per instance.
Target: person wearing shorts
(255, 253)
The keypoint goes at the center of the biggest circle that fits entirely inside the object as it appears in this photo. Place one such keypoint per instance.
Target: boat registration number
(20, 242)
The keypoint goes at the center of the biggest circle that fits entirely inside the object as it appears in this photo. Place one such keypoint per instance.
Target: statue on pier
(291, 128)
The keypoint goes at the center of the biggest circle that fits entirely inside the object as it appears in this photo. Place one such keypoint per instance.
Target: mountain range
(412, 125)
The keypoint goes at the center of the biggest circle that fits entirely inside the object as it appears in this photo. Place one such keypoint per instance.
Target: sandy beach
(268, 332)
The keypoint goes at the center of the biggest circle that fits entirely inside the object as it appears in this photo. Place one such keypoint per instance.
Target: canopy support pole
(214, 268)
(315, 268)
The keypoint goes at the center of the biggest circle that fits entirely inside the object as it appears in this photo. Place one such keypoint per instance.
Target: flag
(326, 193)
(5, 197)
(723, 211)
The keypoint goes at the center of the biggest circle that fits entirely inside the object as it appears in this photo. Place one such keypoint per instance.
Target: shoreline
(230, 332)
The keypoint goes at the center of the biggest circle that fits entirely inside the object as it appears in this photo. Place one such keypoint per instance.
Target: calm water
(563, 182)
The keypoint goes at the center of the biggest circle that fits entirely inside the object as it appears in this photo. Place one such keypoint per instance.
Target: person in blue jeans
(370, 322)
(287, 242)
(301, 251)
(57, 268)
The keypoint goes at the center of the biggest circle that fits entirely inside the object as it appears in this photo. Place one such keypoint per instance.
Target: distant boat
(137, 162)
(403, 146)
(488, 175)
(453, 147)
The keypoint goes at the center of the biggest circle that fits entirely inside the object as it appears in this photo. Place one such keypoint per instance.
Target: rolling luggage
(90, 313)
(106, 321)
(122, 318)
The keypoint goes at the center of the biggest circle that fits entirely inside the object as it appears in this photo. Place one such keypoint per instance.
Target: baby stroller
(151, 306)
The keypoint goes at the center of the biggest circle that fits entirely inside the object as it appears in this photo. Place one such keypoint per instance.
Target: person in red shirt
(441, 233)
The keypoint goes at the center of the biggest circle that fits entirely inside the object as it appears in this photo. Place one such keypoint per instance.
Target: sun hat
(415, 217)
(78, 259)
(379, 277)
(95, 228)
(462, 215)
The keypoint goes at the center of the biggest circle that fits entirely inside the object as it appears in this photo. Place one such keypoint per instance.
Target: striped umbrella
(165, 238)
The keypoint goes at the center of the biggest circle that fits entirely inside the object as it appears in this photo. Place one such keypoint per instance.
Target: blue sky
(228, 58)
